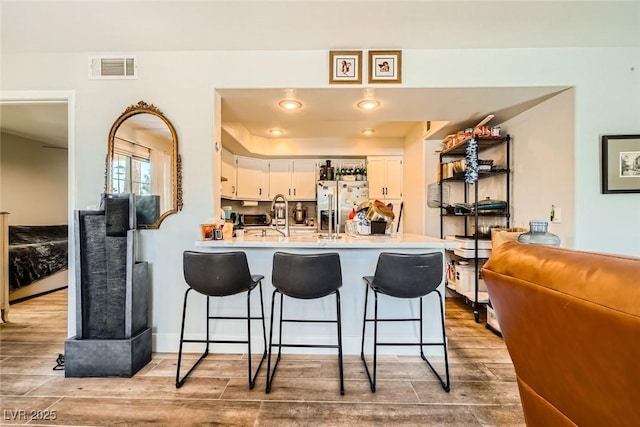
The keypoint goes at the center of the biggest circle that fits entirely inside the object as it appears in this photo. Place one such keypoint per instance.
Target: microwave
(249, 220)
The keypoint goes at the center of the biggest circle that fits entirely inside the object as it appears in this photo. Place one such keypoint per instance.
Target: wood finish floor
(305, 391)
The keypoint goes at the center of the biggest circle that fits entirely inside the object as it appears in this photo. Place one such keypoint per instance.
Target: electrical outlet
(557, 217)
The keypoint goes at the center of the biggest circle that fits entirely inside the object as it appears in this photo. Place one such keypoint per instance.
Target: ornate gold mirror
(143, 159)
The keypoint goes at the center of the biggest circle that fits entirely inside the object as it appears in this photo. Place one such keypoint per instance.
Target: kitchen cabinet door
(384, 174)
(393, 175)
(228, 175)
(376, 177)
(296, 179)
(304, 180)
(280, 174)
(252, 179)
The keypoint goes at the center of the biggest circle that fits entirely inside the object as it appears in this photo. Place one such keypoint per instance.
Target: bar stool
(305, 277)
(220, 275)
(404, 276)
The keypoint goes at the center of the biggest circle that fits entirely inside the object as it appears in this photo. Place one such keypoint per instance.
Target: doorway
(38, 132)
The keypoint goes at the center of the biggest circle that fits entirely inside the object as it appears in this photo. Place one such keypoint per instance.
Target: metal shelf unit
(476, 297)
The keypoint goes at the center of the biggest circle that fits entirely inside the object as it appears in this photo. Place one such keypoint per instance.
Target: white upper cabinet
(376, 176)
(228, 175)
(296, 179)
(280, 172)
(394, 170)
(384, 174)
(252, 179)
(305, 176)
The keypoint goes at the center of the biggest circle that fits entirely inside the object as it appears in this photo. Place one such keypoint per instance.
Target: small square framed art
(385, 66)
(345, 67)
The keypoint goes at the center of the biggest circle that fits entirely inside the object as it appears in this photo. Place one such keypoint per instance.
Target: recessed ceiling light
(368, 132)
(368, 104)
(276, 132)
(290, 104)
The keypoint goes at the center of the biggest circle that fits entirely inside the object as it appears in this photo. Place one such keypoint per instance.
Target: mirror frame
(143, 108)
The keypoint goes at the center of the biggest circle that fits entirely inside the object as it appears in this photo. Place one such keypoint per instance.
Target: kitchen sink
(261, 231)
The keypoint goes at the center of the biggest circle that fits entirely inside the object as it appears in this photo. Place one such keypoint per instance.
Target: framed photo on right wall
(620, 164)
(385, 66)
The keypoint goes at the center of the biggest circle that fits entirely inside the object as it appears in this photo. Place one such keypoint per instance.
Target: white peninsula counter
(358, 257)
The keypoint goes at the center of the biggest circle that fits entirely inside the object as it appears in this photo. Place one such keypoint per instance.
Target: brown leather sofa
(571, 323)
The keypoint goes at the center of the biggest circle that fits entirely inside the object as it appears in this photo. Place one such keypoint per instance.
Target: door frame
(68, 97)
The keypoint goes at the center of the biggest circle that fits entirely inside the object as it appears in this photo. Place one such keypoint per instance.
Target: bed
(37, 260)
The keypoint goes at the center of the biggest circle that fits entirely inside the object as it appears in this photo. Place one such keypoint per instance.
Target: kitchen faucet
(284, 232)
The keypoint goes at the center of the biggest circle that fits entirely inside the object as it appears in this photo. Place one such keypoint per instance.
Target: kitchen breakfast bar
(358, 257)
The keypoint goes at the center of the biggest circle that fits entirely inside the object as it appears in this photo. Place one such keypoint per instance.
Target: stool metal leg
(371, 375)
(180, 382)
(264, 327)
(248, 318)
(445, 385)
(270, 374)
(364, 320)
(372, 379)
(444, 342)
(252, 378)
(340, 367)
(280, 331)
(375, 340)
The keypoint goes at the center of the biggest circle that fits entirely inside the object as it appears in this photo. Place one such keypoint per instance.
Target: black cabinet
(474, 207)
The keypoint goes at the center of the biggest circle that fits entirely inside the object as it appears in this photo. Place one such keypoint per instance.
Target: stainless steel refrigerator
(347, 195)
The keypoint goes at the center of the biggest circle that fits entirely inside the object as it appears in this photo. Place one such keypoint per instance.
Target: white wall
(414, 183)
(34, 182)
(182, 85)
(543, 170)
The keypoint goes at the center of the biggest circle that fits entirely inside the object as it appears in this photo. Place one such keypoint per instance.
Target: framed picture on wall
(385, 66)
(345, 67)
(620, 164)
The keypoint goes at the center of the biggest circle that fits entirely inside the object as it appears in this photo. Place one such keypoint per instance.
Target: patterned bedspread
(35, 252)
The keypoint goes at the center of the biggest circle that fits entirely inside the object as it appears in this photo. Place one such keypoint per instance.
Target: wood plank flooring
(305, 391)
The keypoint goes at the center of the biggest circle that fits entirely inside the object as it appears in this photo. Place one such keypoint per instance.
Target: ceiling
(45, 122)
(331, 113)
(145, 25)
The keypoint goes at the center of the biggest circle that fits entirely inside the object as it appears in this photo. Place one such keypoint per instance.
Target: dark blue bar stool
(305, 277)
(220, 275)
(404, 276)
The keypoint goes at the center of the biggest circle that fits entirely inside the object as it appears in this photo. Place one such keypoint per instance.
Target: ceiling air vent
(112, 67)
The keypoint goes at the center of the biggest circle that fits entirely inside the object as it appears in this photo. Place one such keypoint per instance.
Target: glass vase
(538, 234)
